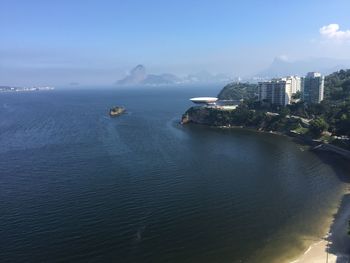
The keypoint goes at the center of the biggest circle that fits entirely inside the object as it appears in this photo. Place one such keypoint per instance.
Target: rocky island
(116, 111)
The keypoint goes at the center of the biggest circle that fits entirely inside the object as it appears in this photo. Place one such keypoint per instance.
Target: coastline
(317, 146)
(316, 253)
(291, 126)
(334, 247)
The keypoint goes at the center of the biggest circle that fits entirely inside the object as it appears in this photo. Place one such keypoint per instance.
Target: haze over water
(79, 186)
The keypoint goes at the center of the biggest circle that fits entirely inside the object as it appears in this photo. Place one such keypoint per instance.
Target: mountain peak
(136, 76)
(138, 69)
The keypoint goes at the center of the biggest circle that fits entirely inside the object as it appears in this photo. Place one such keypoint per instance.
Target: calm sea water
(78, 186)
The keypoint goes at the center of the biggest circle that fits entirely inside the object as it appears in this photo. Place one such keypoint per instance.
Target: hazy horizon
(46, 43)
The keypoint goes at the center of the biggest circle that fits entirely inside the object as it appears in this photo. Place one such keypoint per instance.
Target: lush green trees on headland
(237, 91)
(332, 115)
(334, 110)
(337, 85)
(318, 126)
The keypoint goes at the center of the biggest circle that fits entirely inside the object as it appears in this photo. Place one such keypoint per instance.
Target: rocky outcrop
(203, 115)
(116, 111)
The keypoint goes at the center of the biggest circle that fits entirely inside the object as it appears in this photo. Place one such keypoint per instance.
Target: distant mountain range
(282, 67)
(136, 76)
(139, 76)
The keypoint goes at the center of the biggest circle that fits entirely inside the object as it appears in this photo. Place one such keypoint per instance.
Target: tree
(346, 86)
(284, 112)
(296, 95)
(237, 91)
(299, 109)
(318, 126)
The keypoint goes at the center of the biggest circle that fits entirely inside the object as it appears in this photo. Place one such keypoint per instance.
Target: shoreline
(334, 247)
(316, 253)
(317, 146)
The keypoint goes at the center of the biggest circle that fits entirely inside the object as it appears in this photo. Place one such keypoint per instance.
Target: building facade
(313, 87)
(276, 91)
(295, 84)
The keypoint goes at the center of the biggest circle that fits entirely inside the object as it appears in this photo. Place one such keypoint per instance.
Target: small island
(116, 111)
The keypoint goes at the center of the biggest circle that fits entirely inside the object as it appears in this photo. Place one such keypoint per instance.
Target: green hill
(328, 120)
(237, 91)
(337, 86)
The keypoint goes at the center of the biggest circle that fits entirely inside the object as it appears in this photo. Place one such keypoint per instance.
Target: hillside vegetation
(337, 85)
(329, 120)
(237, 91)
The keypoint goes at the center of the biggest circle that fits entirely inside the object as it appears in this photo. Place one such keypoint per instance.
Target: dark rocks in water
(116, 111)
(204, 115)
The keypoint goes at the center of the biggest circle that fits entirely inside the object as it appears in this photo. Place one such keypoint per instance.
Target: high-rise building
(279, 91)
(276, 91)
(295, 84)
(313, 87)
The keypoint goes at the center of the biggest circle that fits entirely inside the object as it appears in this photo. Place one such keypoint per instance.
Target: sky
(57, 42)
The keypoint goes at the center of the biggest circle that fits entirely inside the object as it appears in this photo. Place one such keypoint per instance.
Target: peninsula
(324, 120)
(318, 115)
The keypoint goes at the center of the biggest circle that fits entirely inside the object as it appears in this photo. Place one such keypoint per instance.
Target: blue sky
(98, 41)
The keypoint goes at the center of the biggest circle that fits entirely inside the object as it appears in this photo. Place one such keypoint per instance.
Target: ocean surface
(79, 186)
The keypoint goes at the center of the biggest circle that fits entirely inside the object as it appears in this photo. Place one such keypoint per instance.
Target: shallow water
(76, 185)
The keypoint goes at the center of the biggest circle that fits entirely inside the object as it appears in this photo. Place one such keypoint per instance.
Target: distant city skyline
(98, 42)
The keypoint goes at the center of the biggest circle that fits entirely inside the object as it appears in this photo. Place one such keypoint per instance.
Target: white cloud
(332, 32)
(283, 57)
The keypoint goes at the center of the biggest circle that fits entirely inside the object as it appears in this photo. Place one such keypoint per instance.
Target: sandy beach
(317, 253)
(335, 248)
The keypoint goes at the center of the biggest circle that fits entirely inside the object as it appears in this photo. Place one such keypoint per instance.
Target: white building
(296, 84)
(276, 91)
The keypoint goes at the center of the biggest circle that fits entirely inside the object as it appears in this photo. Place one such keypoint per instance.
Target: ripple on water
(76, 185)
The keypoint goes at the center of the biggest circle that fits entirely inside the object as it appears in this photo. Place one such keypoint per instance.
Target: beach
(335, 247)
(317, 253)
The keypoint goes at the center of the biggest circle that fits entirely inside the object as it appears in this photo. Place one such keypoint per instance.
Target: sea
(79, 186)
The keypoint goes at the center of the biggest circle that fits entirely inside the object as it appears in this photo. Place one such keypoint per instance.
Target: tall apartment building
(313, 87)
(295, 84)
(276, 91)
